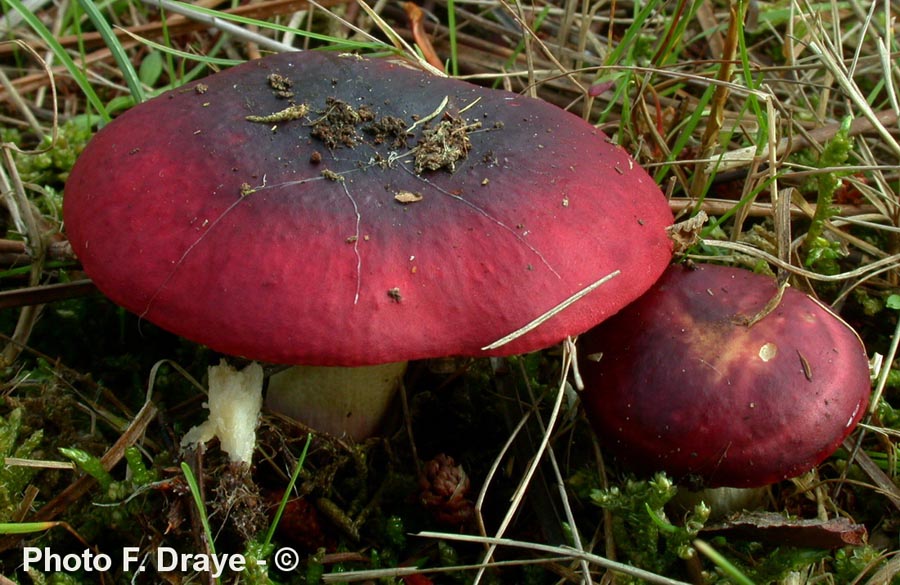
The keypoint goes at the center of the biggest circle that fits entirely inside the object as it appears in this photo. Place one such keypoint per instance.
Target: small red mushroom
(678, 381)
(331, 210)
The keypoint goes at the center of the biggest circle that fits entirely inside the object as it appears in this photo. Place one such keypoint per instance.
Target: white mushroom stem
(343, 402)
(235, 399)
(723, 501)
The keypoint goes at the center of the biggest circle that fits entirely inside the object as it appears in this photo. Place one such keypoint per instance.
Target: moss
(13, 478)
(51, 165)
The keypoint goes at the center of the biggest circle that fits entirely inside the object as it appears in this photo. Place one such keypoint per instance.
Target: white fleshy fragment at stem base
(235, 400)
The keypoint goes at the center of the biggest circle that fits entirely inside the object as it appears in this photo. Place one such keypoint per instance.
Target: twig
(46, 293)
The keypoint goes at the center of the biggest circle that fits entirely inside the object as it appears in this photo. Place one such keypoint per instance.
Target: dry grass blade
(716, 207)
(549, 314)
(210, 19)
(25, 218)
(20, 207)
(544, 447)
(401, 572)
(177, 24)
(887, 573)
(831, 58)
(863, 272)
(562, 551)
(525, 481)
(38, 463)
(22, 107)
(570, 356)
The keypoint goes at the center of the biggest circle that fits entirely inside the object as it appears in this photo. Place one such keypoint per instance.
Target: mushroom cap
(367, 212)
(684, 386)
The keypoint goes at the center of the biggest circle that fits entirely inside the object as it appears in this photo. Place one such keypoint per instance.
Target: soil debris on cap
(338, 123)
(281, 85)
(445, 144)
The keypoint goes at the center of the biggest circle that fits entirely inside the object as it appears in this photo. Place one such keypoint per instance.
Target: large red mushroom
(331, 210)
(681, 381)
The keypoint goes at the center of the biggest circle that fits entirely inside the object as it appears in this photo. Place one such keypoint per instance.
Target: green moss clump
(51, 166)
(13, 478)
(640, 526)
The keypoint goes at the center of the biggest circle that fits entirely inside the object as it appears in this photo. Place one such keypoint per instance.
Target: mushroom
(679, 382)
(335, 211)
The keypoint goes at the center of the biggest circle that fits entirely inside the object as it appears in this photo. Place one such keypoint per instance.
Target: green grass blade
(287, 494)
(753, 82)
(631, 36)
(206, 60)
(77, 74)
(733, 573)
(201, 505)
(118, 52)
(334, 41)
(451, 26)
(26, 527)
(687, 131)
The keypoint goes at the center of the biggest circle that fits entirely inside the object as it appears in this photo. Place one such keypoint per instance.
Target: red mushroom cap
(333, 210)
(684, 386)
